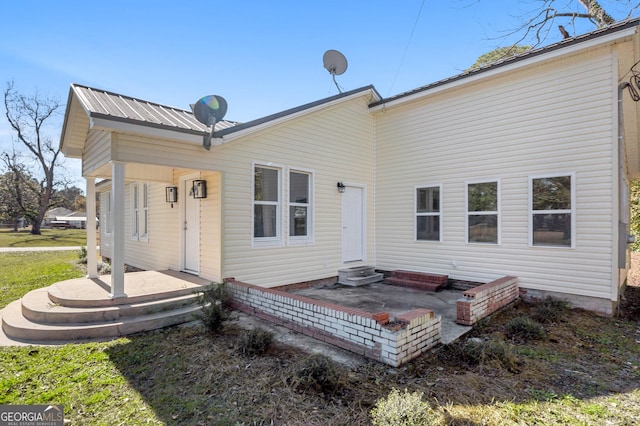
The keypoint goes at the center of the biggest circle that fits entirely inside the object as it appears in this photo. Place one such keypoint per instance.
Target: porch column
(92, 261)
(117, 229)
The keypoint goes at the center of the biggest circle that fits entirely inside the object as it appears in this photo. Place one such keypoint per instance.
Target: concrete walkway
(19, 249)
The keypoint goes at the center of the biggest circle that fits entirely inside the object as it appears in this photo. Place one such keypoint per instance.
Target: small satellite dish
(209, 110)
(336, 63)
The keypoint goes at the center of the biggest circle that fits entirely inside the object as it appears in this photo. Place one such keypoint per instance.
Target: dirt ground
(630, 300)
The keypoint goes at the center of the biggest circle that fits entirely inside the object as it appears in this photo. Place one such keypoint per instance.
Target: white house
(520, 168)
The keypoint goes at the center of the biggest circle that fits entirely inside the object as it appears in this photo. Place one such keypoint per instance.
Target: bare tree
(28, 116)
(537, 25)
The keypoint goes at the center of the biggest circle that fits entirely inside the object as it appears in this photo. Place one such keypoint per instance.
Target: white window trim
(277, 241)
(137, 211)
(310, 237)
(497, 213)
(416, 214)
(571, 211)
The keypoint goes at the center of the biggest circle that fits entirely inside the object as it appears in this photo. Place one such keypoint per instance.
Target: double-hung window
(144, 226)
(135, 211)
(299, 206)
(266, 204)
(108, 214)
(552, 207)
(428, 213)
(483, 214)
(140, 211)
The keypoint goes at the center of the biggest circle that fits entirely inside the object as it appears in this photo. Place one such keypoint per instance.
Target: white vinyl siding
(483, 212)
(161, 251)
(556, 116)
(428, 214)
(333, 143)
(97, 151)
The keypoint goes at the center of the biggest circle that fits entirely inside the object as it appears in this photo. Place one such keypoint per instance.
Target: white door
(353, 224)
(190, 229)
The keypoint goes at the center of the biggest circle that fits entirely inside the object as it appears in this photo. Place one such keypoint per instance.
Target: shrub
(525, 328)
(550, 310)
(256, 341)
(320, 373)
(82, 255)
(104, 268)
(490, 352)
(215, 307)
(403, 409)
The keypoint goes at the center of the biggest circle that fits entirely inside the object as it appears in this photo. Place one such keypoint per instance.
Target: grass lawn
(49, 238)
(583, 370)
(21, 272)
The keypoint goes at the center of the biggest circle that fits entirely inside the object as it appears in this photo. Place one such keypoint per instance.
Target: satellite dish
(209, 110)
(336, 63)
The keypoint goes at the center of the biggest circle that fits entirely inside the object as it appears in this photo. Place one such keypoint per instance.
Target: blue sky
(261, 56)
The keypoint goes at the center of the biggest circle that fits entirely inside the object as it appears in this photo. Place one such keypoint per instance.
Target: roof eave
(273, 119)
(559, 49)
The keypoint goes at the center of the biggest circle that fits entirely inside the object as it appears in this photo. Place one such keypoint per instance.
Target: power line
(413, 30)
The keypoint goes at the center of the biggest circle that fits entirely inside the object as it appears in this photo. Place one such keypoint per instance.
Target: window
(108, 225)
(483, 200)
(145, 212)
(135, 212)
(299, 205)
(266, 203)
(140, 211)
(552, 211)
(428, 213)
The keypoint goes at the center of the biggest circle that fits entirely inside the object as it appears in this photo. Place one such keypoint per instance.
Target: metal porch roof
(104, 104)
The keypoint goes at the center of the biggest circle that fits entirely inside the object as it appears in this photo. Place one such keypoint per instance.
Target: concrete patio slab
(378, 297)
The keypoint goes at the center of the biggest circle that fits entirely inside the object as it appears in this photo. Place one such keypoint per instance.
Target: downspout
(623, 231)
(375, 192)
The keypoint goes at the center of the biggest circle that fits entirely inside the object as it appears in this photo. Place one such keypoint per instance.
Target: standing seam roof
(103, 104)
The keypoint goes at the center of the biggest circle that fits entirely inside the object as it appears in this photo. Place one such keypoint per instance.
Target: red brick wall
(486, 299)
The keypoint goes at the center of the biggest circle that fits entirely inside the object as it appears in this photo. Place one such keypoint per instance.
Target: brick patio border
(393, 341)
(482, 301)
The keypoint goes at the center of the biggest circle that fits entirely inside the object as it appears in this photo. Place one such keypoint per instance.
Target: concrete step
(19, 328)
(38, 307)
(71, 293)
(358, 275)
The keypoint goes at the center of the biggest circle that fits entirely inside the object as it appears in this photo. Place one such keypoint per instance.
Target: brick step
(421, 285)
(419, 280)
(419, 276)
